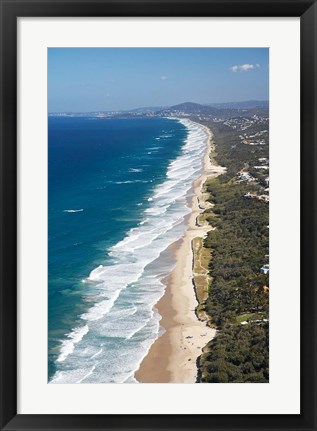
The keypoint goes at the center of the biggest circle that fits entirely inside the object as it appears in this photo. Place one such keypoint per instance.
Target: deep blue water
(101, 174)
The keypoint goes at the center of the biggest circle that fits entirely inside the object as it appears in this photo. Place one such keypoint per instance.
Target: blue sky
(103, 79)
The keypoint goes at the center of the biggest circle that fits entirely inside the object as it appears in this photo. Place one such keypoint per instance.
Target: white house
(265, 269)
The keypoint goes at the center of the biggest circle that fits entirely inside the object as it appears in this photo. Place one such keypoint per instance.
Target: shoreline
(172, 357)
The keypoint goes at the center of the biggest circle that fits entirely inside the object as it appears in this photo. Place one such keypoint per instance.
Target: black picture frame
(10, 11)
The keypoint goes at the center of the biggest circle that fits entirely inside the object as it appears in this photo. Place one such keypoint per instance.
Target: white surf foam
(130, 181)
(73, 211)
(135, 170)
(88, 374)
(73, 338)
(96, 354)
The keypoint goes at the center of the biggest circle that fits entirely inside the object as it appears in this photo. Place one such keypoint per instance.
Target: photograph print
(158, 215)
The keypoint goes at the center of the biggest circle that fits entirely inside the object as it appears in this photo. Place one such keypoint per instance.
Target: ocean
(117, 198)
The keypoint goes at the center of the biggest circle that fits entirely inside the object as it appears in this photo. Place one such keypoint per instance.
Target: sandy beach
(172, 358)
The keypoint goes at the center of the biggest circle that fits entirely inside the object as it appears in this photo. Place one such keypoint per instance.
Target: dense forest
(238, 354)
(238, 297)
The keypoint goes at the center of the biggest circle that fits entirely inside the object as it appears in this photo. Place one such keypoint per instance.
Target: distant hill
(248, 104)
(226, 110)
(192, 108)
(147, 109)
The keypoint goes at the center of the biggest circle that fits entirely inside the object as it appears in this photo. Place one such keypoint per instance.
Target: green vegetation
(238, 354)
(238, 298)
(201, 275)
(239, 245)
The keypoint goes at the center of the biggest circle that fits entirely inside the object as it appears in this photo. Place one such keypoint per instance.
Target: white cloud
(234, 68)
(246, 67)
(163, 78)
(243, 67)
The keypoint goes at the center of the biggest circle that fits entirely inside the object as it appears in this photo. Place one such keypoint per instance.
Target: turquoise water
(117, 199)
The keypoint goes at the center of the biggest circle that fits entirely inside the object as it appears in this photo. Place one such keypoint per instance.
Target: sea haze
(118, 193)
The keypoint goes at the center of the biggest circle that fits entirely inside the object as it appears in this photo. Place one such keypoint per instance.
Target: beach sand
(172, 358)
